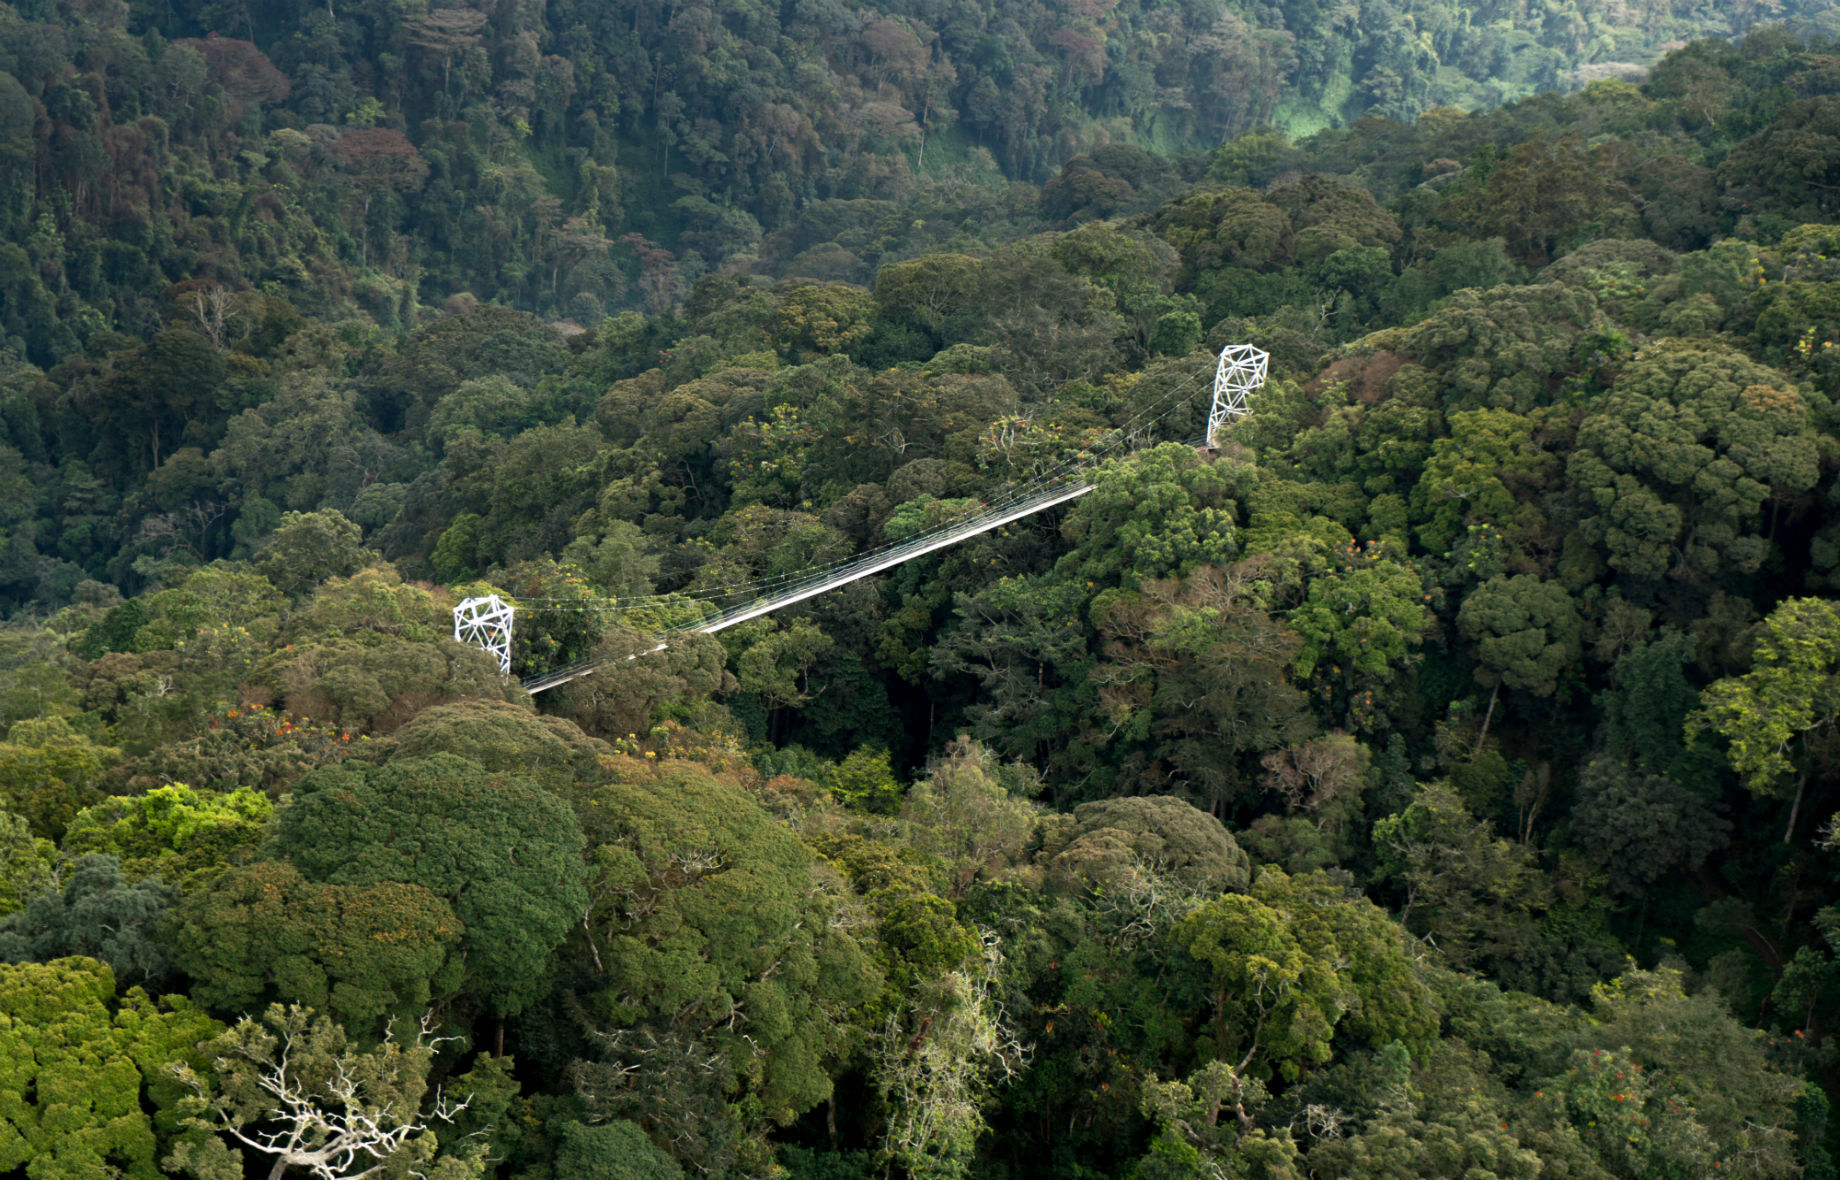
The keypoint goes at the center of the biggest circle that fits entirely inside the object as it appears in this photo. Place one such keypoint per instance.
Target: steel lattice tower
(1242, 370)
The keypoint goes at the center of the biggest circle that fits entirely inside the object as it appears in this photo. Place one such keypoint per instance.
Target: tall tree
(92, 910)
(366, 953)
(1675, 470)
(443, 823)
(1780, 717)
(727, 987)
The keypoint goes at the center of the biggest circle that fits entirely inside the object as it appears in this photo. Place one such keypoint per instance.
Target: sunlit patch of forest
(1436, 779)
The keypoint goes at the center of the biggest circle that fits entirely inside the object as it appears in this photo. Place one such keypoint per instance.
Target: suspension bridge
(488, 622)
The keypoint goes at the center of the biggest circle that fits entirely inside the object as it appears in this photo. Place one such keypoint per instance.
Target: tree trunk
(1488, 717)
(1795, 809)
(925, 111)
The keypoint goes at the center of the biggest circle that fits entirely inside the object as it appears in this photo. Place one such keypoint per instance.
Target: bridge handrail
(1242, 369)
(836, 576)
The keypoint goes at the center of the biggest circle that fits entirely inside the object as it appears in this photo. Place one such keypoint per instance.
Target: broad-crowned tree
(617, 558)
(1225, 228)
(1342, 215)
(1710, 1088)
(154, 392)
(91, 909)
(1117, 179)
(636, 682)
(1507, 348)
(774, 660)
(710, 950)
(1485, 901)
(174, 832)
(1618, 270)
(1109, 840)
(823, 320)
(1389, 998)
(1527, 632)
(83, 1084)
(1048, 326)
(526, 490)
(1295, 961)
(371, 161)
(1646, 708)
(1448, 863)
(1021, 640)
(1787, 165)
(1274, 1002)
(918, 933)
(1166, 513)
(357, 687)
(446, 824)
(1675, 467)
(364, 952)
(307, 548)
(1484, 473)
(1540, 196)
(561, 627)
(50, 771)
(1639, 826)
(929, 294)
(1362, 623)
(618, 1150)
(493, 406)
(1196, 678)
(206, 609)
(243, 746)
(370, 651)
(307, 451)
(1440, 1114)
(503, 737)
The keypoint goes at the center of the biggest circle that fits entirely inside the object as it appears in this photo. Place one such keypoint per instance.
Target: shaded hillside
(582, 160)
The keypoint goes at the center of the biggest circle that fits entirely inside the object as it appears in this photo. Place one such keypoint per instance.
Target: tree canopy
(1429, 772)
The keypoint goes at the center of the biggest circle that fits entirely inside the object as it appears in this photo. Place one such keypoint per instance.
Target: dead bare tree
(293, 1087)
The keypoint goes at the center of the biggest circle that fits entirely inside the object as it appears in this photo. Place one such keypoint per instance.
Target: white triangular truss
(1242, 370)
(486, 622)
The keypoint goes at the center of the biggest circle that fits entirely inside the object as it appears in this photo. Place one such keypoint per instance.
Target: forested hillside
(1439, 780)
(579, 158)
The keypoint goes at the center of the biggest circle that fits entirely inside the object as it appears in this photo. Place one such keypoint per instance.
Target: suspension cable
(1040, 485)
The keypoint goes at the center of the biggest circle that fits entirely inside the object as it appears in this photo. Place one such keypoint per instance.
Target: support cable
(1060, 475)
(1240, 371)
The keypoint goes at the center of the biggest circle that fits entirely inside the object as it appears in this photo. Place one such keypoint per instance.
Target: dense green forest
(1439, 780)
(582, 157)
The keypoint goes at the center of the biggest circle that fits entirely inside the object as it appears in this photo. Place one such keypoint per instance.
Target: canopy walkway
(487, 622)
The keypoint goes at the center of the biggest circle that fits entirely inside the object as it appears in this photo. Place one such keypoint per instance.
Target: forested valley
(1438, 778)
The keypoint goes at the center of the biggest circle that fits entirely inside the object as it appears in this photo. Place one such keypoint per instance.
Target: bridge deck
(863, 567)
